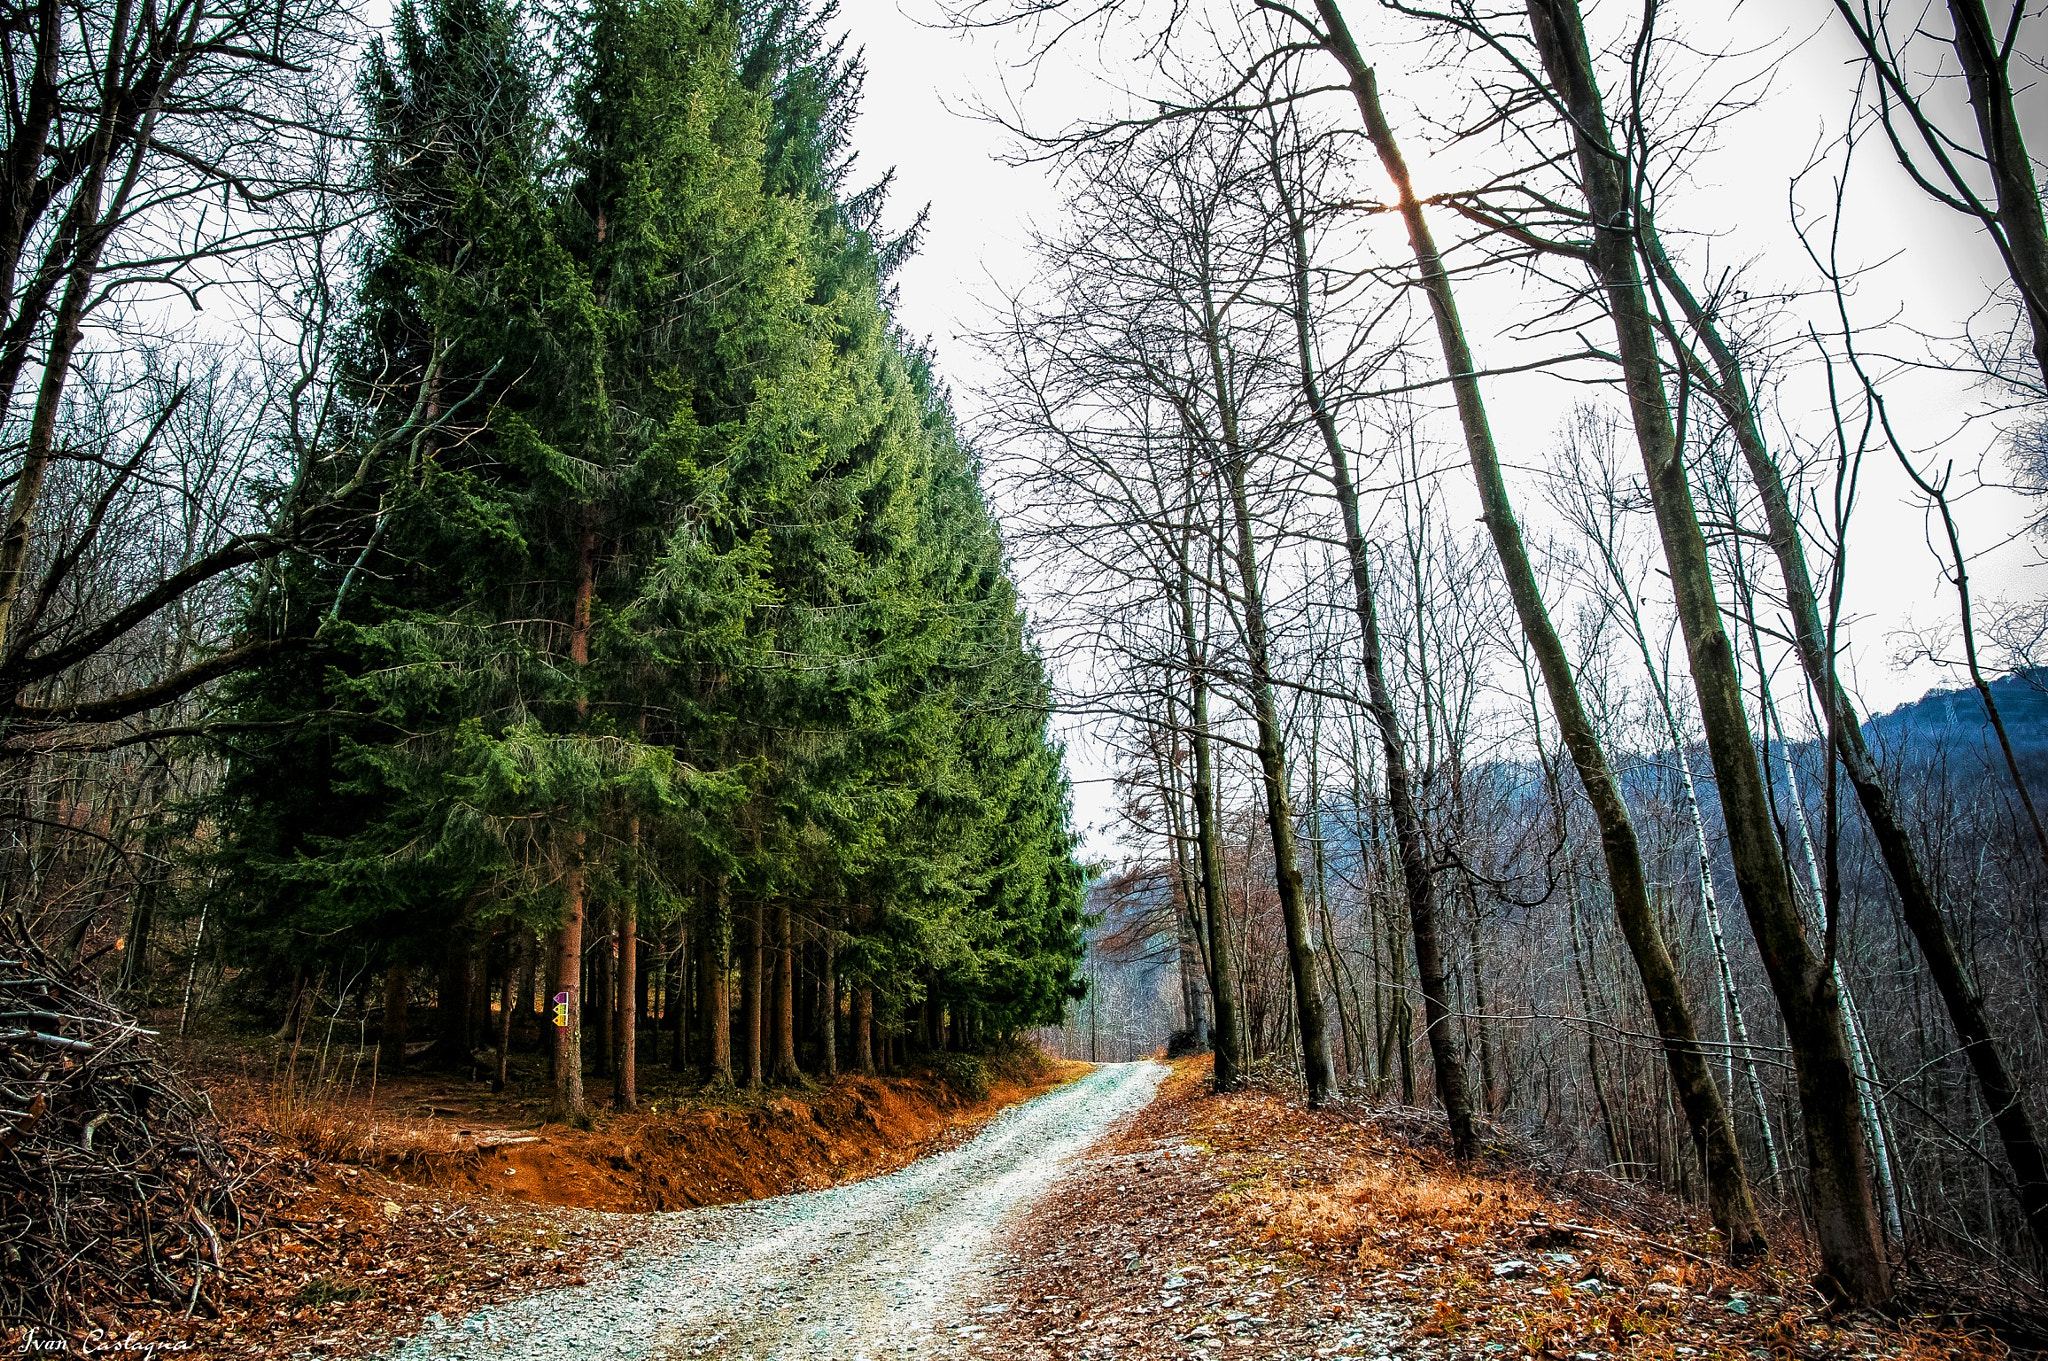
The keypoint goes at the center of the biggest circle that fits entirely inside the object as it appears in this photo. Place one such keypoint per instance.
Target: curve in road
(856, 1272)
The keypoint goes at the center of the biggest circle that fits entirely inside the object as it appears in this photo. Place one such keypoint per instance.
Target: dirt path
(866, 1270)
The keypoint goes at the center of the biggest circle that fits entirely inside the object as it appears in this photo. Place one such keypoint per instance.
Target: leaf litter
(1251, 1226)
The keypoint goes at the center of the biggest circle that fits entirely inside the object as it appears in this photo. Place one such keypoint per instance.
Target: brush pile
(112, 1175)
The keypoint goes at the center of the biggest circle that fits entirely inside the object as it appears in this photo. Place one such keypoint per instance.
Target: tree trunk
(1222, 969)
(863, 1028)
(750, 996)
(1852, 1247)
(452, 1022)
(568, 999)
(1733, 1210)
(397, 1002)
(714, 974)
(66, 332)
(625, 1089)
(2023, 235)
(1917, 904)
(786, 1072)
(643, 993)
(532, 981)
(141, 918)
(1318, 1073)
(678, 997)
(604, 1003)
(508, 1002)
(828, 1029)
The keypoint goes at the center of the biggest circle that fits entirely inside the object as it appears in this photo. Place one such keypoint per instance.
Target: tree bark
(1318, 1072)
(508, 1002)
(644, 1001)
(786, 1072)
(397, 1002)
(2023, 238)
(568, 1047)
(1222, 969)
(1852, 1246)
(625, 1088)
(750, 996)
(1713, 1133)
(65, 333)
(680, 997)
(828, 1028)
(567, 1009)
(452, 1021)
(863, 1028)
(141, 919)
(714, 936)
(1917, 903)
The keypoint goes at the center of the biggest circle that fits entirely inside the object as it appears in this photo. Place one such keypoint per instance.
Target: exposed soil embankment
(710, 1152)
(362, 1208)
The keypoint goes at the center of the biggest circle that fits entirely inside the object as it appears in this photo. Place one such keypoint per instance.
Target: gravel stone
(857, 1273)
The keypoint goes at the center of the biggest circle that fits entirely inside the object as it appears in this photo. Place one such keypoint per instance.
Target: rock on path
(856, 1272)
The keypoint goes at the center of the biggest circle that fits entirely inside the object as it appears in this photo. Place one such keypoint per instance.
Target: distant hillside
(1955, 717)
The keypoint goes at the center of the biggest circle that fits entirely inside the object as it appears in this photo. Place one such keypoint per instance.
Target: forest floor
(1122, 1213)
(1250, 1226)
(369, 1208)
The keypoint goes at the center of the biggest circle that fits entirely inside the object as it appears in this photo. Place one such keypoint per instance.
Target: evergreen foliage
(663, 586)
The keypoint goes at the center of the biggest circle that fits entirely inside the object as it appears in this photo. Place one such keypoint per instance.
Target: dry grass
(1360, 1214)
(1257, 1227)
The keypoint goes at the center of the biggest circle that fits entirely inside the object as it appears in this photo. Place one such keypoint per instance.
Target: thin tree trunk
(507, 1003)
(863, 1027)
(291, 1005)
(2023, 238)
(1209, 852)
(1420, 883)
(828, 1029)
(1852, 1247)
(751, 960)
(625, 1088)
(1735, 1026)
(1318, 1072)
(1489, 1088)
(141, 917)
(568, 1018)
(644, 1002)
(452, 1022)
(1614, 1151)
(786, 1072)
(680, 971)
(1859, 1052)
(1917, 904)
(714, 973)
(397, 1001)
(1733, 1210)
(65, 333)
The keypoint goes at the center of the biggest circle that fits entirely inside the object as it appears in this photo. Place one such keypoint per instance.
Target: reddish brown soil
(710, 1153)
(686, 1146)
(363, 1213)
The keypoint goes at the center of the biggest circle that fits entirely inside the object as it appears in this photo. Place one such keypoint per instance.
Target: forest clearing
(1024, 677)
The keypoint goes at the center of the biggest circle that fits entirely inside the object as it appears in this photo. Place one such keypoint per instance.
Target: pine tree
(666, 584)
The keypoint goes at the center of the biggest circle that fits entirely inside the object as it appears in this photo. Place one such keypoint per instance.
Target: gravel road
(861, 1271)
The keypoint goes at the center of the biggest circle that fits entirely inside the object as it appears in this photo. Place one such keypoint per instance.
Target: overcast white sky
(1928, 269)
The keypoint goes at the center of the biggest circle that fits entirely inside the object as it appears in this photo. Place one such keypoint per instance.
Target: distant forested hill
(1952, 720)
